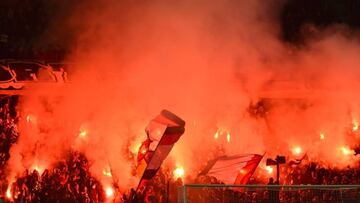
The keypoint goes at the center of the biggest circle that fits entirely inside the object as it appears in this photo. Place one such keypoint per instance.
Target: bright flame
(322, 136)
(109, 192)
(179, 172)
(134, 148)
(355, 123)
(216, 136)
(269, 169)
(346, 151)
(107, 173)
(8, 192)
(296, 150)
(83, 133)
(30, 118)
(37, 168)
(222, 132)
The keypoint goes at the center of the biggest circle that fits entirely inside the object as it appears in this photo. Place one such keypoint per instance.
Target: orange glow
(135, 147)
(232, 81)
(83, 133)
(216, 136)
(296, 150)
(346, 151)
(30, 118)
(355, 125)
(109, 191)
(222, 132)
(179, 172)
(37, 168)
(8, 192)
(107, 173)
(269, 169)
(242, 171)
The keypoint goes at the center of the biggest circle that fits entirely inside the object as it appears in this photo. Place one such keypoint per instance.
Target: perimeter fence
(219, 193)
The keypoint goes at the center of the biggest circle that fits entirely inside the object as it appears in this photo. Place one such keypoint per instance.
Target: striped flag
(162, 133)
(236, 169)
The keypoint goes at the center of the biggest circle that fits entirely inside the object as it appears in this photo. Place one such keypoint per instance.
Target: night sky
(321, 13)
(24, 23)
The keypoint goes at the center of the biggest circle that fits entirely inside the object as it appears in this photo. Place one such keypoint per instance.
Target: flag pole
(277, 173)
(168, 190)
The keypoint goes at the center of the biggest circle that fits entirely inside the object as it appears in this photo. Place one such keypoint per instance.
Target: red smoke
(207, 62)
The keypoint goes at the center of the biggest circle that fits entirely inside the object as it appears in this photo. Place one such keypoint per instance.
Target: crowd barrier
(208, 193)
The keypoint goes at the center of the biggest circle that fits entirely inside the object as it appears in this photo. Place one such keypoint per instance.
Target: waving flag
(236, 169)
(296, 162)
(162, 133)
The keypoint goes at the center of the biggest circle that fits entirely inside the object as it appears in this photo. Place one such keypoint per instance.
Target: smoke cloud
(206, 62)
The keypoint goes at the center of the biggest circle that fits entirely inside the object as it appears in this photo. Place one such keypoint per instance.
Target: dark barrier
(268, 193)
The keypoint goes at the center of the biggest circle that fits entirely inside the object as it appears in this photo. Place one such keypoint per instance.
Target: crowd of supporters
(307, 177)
(68, 181)
(8, 130)
(315, 174)
(71, 181)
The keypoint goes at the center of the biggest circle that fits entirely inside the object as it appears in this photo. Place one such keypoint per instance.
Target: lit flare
(30, 118)
(179, 172)
(216, 135)
(296, 150)
(8, 192)
(269, 169)
(346, 151)
(355, 123)
(109, 191)
(83, 133)
(36, 167)
(107, 173)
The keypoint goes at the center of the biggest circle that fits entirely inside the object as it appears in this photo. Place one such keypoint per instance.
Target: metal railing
(268, 193)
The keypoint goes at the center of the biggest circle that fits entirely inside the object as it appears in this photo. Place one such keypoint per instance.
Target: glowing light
(242, 171)
(8, 193)
(216, 136)
(30, 118)
(83, 133)
(37, 168)
(134, 148)
(346, 151)
(179, 172)
(223, 133)
(355, 123)
(269, 169)
(107, 173)
(322, 136)
(296, 150)
(109, 192)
